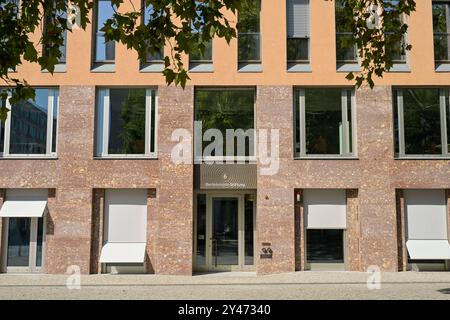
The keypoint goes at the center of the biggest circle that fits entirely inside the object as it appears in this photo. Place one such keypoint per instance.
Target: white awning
(123, 252)
(428, 249)
(23, 208)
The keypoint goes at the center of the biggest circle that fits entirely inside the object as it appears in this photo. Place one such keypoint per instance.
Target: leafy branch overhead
(182, 26)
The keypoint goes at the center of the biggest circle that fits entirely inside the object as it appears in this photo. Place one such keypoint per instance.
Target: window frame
(102, 114)
(399, 137)
(447, 34)
(199, 159)
(95, 25)
(52, 96)
(33, 257)
(299, 107)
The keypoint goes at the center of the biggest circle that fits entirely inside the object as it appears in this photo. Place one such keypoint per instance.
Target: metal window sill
(127, 158)
(59, 68)
(152, 67)
(30, 157)
(422, 158)
(103, 67)
(299, 67)
(249, 67)
(201, 67)
(348, 67)
(326, 158)
(442, 67)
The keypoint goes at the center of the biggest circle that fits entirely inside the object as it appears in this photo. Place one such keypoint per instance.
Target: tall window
(344, 53)
(219, 111)
(393, 46)
(249, 37)
(158, 55)
(204, 53)
(104, 50)
(49, 26)
(441, 30)
(31, 126)
(297, 31)
(324, 120)
(422, 121)
(126, 122)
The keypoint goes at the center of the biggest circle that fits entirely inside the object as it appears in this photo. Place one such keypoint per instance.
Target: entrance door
(24, 244)
(225, 232)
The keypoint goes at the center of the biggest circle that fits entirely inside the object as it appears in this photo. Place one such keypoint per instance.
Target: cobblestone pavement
(305, 285)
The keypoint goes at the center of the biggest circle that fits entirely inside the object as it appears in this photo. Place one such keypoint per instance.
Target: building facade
(91, 177)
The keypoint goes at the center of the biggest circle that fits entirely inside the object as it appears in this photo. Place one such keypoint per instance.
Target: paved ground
(306, 285)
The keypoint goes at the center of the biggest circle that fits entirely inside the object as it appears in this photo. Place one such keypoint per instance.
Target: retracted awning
(23, 208)
(123, 252)
(428, 249)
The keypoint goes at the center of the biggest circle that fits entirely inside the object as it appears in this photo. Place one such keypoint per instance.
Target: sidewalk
(300, 285)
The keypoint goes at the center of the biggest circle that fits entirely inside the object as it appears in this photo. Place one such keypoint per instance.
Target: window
(104, 50)
(297, 31)
(393, 47)
(23, 214)
(201, 59)
(441, 30)
(324, 120)
(345, 54)
(249, 37)
(421, 118)
(126, 122)
(49, 26)
(31, 126)
(218, 110)
(326, 222)
(157, 56)
(125, 230)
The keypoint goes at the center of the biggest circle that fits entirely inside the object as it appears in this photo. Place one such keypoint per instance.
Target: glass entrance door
(24, 244)
(225, 231)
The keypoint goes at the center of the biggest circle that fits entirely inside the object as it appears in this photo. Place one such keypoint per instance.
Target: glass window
(31, 127)
(205, 55)
(156, 56)
(223, 109)
(198, 57)
(104, 51)
(324, 122)
(441, 30)
(126, 122)
(344, 52)
(297, 17)
(249, 37)
(325, 245)
(420, 121)
(49, 27)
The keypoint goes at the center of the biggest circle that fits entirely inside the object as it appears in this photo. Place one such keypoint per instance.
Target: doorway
(24, 244)
(225, 231)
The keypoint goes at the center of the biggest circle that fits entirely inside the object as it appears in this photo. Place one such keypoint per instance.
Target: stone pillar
(401, 231)
(275, 218)
(98, 214)
(152, 231)
(71, 212)
(377, 204)
(174, 222)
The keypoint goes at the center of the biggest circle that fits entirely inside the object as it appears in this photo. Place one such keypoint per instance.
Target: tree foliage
(184, 25)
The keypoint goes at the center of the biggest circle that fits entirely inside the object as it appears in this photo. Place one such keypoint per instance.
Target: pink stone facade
(76, 181)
